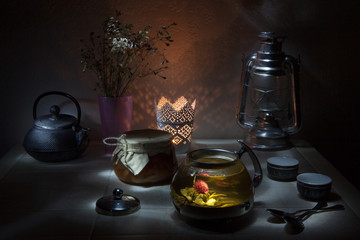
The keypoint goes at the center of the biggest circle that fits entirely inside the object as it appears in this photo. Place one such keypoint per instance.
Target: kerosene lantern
(268, 100)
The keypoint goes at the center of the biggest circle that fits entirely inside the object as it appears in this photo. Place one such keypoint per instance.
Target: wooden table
(57, 201)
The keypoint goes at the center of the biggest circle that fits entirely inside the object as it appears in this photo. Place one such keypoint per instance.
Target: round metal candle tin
(282, 168)
(314, 186)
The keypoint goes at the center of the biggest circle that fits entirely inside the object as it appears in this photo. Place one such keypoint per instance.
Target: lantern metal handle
(294, 70)
(247, 64)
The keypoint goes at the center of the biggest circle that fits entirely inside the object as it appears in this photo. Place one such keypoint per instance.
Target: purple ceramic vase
(116, 117)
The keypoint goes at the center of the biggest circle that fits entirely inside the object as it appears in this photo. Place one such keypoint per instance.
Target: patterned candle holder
(176, 118)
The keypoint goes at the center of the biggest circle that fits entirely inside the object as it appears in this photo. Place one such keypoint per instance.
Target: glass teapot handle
(258, 175)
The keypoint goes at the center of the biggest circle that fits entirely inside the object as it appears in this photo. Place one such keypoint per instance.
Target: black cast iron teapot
(56, 137)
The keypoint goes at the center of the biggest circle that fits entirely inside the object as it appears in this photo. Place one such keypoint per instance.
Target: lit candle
(176, 118)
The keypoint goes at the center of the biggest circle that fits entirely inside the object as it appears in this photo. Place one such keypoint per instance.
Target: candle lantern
(176, 118)
(269, 99)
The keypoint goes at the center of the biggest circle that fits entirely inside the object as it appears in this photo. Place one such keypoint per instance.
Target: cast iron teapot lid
(55, 120)
(117, 204)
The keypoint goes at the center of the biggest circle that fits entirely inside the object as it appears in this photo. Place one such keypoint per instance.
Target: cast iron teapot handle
(62, 94)
(258, 175)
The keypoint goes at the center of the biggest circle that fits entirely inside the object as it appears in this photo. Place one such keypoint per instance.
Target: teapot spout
(82, 139)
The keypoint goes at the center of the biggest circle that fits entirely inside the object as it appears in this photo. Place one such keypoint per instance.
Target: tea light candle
(176, 118)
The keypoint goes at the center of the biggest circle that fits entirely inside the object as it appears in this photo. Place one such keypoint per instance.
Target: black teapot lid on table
(117, 204)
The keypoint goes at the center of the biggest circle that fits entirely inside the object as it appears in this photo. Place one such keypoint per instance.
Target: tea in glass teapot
(214, 184)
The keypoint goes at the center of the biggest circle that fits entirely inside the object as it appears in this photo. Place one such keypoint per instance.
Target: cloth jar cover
(135, 149)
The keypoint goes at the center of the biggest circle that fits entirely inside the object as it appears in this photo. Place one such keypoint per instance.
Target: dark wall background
(40, 51)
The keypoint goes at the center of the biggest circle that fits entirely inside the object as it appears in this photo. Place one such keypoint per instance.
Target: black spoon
(297, 222)
(280, 214)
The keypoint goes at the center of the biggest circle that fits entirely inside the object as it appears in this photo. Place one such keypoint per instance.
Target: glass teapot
(214, 184)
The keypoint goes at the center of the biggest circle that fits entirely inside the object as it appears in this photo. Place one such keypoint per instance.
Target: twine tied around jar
(135, 156)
